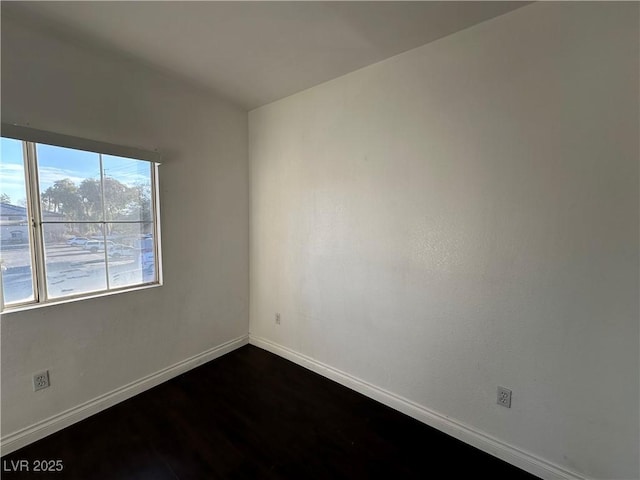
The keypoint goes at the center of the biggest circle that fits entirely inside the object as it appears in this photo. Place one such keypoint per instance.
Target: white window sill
(32, 306)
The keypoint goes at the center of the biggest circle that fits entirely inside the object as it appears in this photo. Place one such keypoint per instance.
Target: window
(75, 222)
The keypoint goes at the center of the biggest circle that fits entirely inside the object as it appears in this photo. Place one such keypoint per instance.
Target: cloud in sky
(12, 181)
(49, 175)
(56, 164)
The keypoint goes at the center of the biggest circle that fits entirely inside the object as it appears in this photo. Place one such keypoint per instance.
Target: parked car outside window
(119, 250)
(95, 246)
(77, 241)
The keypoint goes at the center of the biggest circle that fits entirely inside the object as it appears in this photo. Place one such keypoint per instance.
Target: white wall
(94, 346)
(465, 215)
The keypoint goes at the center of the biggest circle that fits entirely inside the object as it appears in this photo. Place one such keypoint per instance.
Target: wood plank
(251, 414)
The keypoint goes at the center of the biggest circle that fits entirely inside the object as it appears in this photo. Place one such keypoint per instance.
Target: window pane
(74, 258)
(97, 222)
(131, 255)
(127, 189)
(70, 187)
(15, 249)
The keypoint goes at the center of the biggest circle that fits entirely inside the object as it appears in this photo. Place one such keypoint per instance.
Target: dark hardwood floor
(254, 415)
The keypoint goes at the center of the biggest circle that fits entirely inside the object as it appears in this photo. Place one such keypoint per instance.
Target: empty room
(320, 240)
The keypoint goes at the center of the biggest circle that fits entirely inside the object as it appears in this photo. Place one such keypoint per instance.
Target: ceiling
(256, 52)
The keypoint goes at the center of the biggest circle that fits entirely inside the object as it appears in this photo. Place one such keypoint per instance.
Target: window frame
(30, 138)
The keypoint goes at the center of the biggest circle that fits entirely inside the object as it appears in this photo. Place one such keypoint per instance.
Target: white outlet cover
(40, 380)
(504, 397)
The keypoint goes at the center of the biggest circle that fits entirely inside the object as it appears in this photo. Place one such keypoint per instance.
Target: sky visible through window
(12, 171)
(57, 163)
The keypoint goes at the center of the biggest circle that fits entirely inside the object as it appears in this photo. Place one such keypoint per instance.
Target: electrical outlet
(504, 397)
(277, 319)
(40, 380)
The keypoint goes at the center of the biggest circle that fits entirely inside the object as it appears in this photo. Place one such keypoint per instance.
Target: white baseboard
(14, 441)
(509, 453)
